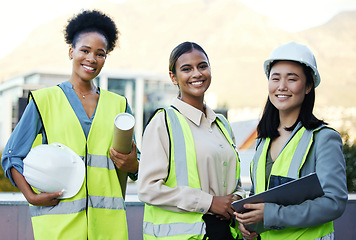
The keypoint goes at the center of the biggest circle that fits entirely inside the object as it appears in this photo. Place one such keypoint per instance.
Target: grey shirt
(327, 160)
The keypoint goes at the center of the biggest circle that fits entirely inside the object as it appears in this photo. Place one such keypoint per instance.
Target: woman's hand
(37, 199)
(222, 206)
(125, 162)
(246, 234)
(254, 216)
(44, 199)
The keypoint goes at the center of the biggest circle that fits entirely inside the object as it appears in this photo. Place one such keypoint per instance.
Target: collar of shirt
(69, 85)
(194, 114)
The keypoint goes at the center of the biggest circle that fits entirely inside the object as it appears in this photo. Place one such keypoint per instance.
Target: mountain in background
(237, 40)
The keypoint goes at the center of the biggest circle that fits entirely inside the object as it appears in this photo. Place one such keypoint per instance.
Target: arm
(222, 206)
(42, 199)
(326, 158)
(153, 173)
(21, 140)
(125, 162)
(17, 148)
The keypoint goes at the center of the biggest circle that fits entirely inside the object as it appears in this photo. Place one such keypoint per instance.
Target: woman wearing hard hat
(80, 116)
(189, 167)
(294, 143)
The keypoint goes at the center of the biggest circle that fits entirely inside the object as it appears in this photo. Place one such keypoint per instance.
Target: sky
(298, 15)
(20, 17)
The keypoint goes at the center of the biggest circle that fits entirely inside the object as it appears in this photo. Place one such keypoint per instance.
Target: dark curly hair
(91, 21)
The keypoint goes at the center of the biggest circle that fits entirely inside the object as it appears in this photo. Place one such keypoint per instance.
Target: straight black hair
(180, 50)
(269, 123)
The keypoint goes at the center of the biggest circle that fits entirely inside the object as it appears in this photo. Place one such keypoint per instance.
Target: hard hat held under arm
(54, 167)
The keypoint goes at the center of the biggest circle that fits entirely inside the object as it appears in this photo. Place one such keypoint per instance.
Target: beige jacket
(216, 162)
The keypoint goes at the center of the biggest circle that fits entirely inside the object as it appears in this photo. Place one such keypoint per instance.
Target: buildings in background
(245, 137)
(144, 92)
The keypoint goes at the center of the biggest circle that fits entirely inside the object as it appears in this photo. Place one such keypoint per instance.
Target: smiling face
(192, 75)
(88, 54)
(287, 87)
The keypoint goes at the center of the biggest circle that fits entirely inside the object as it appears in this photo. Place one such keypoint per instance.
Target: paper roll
(123, 132)
(124, 124)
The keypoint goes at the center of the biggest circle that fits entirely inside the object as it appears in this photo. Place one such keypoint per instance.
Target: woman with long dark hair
(294, 143)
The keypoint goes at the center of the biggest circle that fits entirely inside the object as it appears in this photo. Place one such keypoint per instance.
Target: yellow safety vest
(98, 210)
(163, 224)
(285, 168)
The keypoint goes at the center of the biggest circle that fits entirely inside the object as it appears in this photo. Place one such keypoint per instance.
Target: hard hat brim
(293, 52)
(316, 76)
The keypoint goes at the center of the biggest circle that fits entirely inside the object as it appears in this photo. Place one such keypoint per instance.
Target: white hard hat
(294, 52)
(54, 167)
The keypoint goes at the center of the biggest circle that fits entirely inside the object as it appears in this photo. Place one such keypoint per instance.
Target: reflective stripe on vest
(160, 223)
(173, 229)
(78, 206)
(183, 151)
(100, 161)
(330, 236)
(100, 195)
(287, 165)
(61, 208)
(225, 123)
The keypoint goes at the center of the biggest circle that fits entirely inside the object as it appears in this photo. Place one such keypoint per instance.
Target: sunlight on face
(287, 86)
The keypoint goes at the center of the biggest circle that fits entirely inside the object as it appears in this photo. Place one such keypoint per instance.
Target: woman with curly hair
(79, 115)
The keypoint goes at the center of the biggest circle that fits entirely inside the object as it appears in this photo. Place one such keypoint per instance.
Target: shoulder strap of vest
(224, 121)
(258, 142)
(224, 126)
(39, 139)
(321, 127)
(182, 150)
(154, 113)
(30, 96)
(113, 96)
(302, 151)
(158, 110)
(179, 144)
(256, 157)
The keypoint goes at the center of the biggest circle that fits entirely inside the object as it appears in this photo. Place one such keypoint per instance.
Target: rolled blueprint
(123, 132)
(124, 124)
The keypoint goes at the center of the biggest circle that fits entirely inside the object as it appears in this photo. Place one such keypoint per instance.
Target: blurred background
(238, 36)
